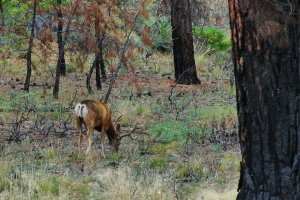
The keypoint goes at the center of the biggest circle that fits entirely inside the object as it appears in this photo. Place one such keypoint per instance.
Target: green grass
(175, 154)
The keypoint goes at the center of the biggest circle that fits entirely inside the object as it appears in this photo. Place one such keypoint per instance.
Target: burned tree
(61, 47)
(61, 41)
(266, 37)
(183, 48)
(29, 50)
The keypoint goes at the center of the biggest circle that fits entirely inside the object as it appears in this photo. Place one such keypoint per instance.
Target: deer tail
(81, 110)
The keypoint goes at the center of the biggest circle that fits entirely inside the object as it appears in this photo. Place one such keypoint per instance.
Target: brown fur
(98, 117)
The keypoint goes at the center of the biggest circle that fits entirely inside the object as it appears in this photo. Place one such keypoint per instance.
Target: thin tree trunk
(183, 49)
(101, 60)
(29, 50)
(88, 78)
(60, 58)
(266, 58)
(61, 46)
(97, 56)
(1, 14)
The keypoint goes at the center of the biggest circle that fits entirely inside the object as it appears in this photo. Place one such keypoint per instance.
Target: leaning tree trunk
(29, 50)
(266, 37)
(60, 42)
(183, 49)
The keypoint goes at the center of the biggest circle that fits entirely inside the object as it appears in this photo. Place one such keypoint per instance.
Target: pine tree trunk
(29, 51)
(97, 55)
(60, 59)
(183, 49)
(102, 65)
(266, 39)
(99, 61)
(60, 42)
(88, 78)
(1, 14)
(97, 66)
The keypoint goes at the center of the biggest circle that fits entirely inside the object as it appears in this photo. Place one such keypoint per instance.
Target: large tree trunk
(183, 49)
(29, 50)
(266, 37)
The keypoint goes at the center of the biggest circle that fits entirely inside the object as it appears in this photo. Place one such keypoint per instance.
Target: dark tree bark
(98, 55)
(266, 37)
(1, 13)
(88, 78)
(183, 49)
(60, 59)
(61, 46)
(60, 42)
(29, 50)
(1, 7)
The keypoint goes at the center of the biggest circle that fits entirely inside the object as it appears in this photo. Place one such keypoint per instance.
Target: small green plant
(189, 172)
(216, 38)
(26, 141)
(143, 110)
(114, 157)
(158, 163)
(51, 153)
(4, 172)
(71, 68)
(164, 149)
(49, 186)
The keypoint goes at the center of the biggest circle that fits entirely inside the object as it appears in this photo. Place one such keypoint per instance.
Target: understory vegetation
(182, 140)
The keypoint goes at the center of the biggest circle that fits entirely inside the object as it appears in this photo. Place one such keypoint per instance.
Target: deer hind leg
(79, 128)
(88, 138)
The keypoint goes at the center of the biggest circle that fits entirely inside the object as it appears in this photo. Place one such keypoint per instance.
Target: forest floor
(183, 142)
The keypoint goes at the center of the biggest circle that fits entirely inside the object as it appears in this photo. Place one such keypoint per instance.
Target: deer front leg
(102, 141)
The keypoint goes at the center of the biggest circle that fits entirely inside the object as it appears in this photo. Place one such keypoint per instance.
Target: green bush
(162, 35)
(215, 37)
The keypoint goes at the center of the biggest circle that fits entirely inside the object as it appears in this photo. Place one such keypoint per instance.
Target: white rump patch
(81, 110)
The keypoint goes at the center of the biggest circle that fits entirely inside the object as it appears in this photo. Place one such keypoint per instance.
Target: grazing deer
(96, 115)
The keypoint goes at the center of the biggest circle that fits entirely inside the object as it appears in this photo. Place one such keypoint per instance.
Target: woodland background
(181, 140)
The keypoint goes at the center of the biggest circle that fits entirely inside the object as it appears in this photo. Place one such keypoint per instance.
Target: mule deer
(96, 115)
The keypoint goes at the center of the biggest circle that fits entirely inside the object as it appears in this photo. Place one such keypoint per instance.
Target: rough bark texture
(29, 50)
(183, 49)
(266, 38)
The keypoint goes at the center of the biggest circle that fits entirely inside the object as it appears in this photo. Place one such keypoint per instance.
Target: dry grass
(210, 194)
(50, 168)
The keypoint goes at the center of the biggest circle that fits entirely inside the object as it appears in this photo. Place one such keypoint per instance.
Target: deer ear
(118, 128)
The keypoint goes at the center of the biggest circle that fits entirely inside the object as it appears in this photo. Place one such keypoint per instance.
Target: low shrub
(216, 38)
